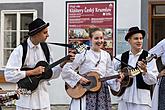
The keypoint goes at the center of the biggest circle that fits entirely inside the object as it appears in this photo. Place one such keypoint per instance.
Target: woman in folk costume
(97, 60)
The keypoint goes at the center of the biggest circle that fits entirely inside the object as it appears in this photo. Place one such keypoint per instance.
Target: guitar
(31, 82)
(95, 81)
(95, 84)
(126, 81)
(8, 98)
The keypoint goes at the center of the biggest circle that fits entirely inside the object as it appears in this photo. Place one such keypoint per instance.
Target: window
(14, 29)
(158, 10)
(121, 44)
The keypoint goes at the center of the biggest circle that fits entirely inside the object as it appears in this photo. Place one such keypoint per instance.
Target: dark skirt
(161, 98)
(100, 100)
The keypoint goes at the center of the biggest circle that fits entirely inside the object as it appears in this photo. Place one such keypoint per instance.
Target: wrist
(61, 65)
(144, 73)
(29, 73)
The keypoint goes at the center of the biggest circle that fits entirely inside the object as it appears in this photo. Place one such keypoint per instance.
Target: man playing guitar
(39, 99)
(136, 96)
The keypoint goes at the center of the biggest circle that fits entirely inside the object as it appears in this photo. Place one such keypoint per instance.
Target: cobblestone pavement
(54, 107)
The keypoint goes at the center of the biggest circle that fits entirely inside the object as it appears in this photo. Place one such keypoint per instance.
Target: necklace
(97, 55)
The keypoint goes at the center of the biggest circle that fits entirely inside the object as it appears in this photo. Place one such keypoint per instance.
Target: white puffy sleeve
(12, 71)
(69, 73)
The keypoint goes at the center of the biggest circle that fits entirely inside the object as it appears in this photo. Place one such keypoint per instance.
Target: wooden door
(156, 29)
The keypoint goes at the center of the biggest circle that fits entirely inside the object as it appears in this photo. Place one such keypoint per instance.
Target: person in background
(0, 105)
(93, 60)
(136, 96)
(39, 98)
(158, 101)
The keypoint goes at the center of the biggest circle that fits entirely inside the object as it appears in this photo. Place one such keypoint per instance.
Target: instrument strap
(43, 46)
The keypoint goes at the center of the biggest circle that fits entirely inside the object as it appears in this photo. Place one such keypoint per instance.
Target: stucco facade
(128, 14)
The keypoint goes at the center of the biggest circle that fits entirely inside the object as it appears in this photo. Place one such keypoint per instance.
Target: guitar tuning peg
(134, 72)
(154, 56)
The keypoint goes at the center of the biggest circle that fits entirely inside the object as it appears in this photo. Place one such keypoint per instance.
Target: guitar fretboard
(109, 77)
(58, 62)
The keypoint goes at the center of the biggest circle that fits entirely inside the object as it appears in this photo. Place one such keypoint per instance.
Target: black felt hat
(36, 26)
(134, 30)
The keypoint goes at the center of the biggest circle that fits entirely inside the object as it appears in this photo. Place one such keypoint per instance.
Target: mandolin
(127, 79)
(95, 82)
(8, 98)
(31, 82)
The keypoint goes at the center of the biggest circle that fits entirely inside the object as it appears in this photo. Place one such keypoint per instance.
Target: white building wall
(128, 14)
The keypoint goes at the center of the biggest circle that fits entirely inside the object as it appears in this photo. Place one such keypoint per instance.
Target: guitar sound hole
(91, 84)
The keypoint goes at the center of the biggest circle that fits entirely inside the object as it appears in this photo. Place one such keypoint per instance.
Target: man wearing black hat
(20, 58)
(136, 95)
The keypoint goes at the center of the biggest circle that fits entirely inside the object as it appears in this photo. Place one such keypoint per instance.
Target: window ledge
(2, 78)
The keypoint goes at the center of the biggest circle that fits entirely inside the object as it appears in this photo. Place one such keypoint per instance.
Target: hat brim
(134, 32)
(35, 31)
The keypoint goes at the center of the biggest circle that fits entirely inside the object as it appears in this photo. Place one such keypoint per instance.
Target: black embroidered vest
(139, 79)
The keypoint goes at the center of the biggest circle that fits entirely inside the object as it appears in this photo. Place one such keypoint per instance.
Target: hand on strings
(121, 76)
(84, 81)
(37, 71)
(162, 73)
(72, 56)
(142, 66)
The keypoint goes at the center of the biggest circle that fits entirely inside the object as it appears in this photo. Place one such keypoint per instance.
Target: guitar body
(126, 82)
(31, 82)
(130, 73)
(48, 73)
(94, 78)
(79, 90)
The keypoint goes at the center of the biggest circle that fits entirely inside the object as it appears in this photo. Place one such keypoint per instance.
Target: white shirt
(159, 50)
(87, 63)
(132, 94)
(40, 97)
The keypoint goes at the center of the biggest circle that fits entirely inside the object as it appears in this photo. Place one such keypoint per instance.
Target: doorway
(156, 22)
(156, 29)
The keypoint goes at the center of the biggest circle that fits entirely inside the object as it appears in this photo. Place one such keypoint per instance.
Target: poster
(80, 15)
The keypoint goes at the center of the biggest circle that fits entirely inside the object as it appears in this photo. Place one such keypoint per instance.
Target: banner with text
(82, 15)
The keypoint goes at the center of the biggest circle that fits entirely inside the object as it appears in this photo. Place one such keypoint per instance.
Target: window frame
(18, 31)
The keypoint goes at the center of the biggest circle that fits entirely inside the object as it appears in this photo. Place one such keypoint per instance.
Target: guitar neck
(58, 62)
(148, 59)
(7, 98)
(109, 77)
